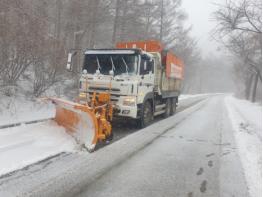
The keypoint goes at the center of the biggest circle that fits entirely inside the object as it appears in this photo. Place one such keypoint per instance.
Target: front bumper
(125, 111)
(119, 109)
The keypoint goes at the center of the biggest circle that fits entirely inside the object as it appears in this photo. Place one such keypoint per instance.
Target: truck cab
(127, 74)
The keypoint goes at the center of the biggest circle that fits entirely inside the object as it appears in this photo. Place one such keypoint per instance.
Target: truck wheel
(146, 116)
(174, 105)
(109, 138)
(167, 112)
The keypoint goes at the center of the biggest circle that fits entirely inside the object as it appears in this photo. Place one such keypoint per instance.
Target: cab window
(146, 66)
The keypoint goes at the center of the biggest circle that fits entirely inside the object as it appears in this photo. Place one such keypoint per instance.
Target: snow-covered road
(197, 157)
(193, 153)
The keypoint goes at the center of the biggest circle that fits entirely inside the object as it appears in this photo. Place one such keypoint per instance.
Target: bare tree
(47, 69)
(17, 43)
(239, 25)
(35, 35)
(116, 20)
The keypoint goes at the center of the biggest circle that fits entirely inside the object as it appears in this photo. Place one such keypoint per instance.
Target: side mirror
(69, 66)
(145, 57)
(69, 63)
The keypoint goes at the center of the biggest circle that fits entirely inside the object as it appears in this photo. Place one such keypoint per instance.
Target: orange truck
(142, 77)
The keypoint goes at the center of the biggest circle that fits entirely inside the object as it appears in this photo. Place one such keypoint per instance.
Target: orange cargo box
(148, 46)
(174, 66)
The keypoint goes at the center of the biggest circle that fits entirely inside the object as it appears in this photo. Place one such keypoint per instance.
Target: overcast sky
(199, 15)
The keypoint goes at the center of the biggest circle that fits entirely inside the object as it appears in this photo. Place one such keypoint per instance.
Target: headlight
(82, 95)
(129, 101)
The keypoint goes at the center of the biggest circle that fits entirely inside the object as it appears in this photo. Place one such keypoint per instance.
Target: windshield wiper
(112, 64)
(127, 68)
(99, 67)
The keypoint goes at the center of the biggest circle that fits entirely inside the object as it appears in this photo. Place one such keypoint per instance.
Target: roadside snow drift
(27, 144)
(16, 110)
(246, 121)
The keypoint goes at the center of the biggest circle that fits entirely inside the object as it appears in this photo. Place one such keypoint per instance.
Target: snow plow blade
(88, 125)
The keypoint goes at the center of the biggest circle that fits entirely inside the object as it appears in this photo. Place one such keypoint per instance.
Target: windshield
(119, 63)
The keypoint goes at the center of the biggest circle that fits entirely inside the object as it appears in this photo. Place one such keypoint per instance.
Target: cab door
(146, 84)
(147, 71)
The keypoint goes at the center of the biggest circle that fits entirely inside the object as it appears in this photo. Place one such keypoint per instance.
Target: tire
(110, 137)
(174, 105)
(167, 112)
(146, 116)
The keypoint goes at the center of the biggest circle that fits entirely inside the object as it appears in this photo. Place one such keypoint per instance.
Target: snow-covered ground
(22, 106)
(246, 121)
(28, 143)
(188, 96)
(20, 109)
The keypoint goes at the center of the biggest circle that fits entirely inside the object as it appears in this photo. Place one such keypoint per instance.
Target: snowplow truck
(141, 77)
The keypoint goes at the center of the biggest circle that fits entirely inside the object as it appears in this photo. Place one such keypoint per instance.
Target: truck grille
(114, 97)
(104, 89)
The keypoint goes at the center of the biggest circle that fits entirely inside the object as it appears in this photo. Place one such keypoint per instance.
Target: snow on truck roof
(116, 51)
(110, 51)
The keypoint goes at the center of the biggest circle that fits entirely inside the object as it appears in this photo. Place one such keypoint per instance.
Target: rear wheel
(146, 115)
(174, 105)
(168, 105)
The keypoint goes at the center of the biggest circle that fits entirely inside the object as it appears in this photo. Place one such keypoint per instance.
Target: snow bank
(187, 96)
(27, 144)
(21, 109)
(246, 121)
